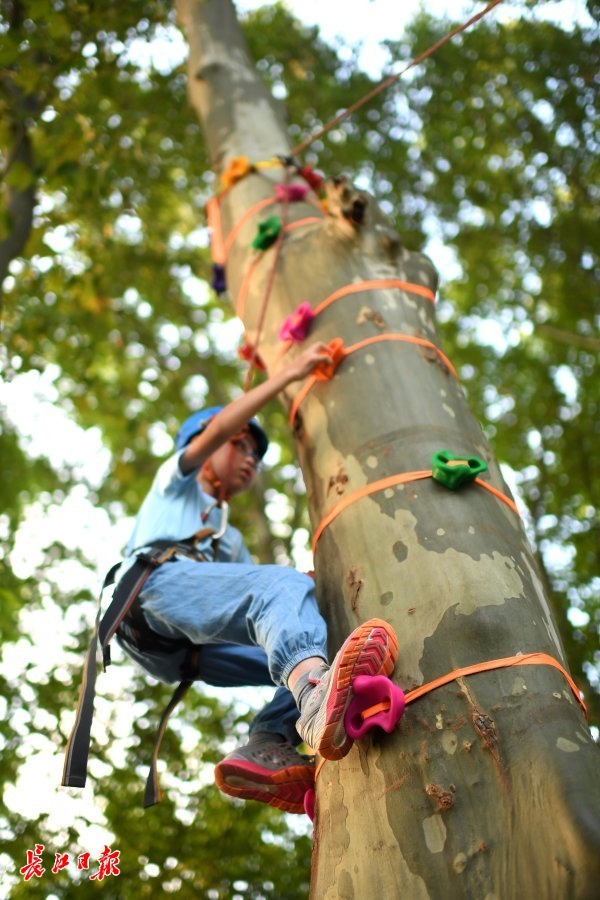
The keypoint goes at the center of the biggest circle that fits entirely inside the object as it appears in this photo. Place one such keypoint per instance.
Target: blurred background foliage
(486, 156)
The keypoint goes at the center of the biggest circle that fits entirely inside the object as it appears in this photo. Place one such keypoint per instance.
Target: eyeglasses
(248, 448)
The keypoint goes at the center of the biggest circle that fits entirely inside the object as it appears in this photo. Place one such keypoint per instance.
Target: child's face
(236, 462)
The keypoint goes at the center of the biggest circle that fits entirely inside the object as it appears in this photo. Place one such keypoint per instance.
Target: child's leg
(273, 607)
(230, 665)
(267, 768)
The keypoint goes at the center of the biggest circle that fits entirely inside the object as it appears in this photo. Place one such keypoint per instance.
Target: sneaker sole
(283, 789)
(371, 649)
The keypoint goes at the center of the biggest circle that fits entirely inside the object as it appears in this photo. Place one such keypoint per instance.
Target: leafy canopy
(486, 155)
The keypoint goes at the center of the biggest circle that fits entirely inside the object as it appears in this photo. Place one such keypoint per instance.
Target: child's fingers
(318, 352)
(319, 347)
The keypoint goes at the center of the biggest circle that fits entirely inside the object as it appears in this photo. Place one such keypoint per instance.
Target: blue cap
(198, 421)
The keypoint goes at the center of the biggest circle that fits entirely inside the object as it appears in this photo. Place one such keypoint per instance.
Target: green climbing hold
(267, 234)
(454, 471)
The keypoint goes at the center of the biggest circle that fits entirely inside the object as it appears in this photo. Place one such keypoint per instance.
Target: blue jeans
(255, 624)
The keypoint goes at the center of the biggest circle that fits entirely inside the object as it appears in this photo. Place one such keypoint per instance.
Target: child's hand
(306, 362)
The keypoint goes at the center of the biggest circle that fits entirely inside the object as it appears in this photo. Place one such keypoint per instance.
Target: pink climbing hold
(376, 703)
(296, 326)
(291, 192)
(309, 804)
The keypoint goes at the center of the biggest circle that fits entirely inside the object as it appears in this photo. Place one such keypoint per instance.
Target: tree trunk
(18, 202)
(489, 787)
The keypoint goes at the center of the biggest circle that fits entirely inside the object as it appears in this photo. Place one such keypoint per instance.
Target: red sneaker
(269, 770)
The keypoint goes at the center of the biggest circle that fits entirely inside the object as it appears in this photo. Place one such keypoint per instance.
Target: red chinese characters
(108, 860)
(108, 863)
(33, 866)
(61, 861)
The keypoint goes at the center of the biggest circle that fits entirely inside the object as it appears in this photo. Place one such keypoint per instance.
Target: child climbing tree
(489, 786)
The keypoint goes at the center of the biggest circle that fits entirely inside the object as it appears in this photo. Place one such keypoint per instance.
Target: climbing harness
(124, 617)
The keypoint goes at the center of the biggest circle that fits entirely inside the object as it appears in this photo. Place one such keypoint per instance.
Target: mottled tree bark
(489, 788)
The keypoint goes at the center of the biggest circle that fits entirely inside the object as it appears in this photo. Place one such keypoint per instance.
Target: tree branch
(569, 337)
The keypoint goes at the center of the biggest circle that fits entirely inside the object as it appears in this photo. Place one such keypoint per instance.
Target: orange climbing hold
(325, 371)
(367, 342)
(236, 169)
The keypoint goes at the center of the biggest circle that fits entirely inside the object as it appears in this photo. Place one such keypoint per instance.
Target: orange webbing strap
(389, 482)
(364, 491)
(504, 498)
(375, 284)
(375, 339)
(220, 247)
(494, 490)
(245, 285)
(217, 245)
(300, 223)
(525, 659)
(239, 167)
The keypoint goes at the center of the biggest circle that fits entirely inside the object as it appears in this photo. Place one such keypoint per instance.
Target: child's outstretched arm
(236, 414)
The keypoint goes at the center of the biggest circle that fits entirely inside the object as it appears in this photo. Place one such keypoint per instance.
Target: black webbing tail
(78, 744)
(128, 588)
(153, 793)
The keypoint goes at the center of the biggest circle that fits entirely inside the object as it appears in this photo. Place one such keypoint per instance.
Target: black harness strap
(126, 592)
(124, 603)
(153, 794)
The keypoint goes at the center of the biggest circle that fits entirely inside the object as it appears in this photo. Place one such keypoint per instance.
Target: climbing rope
(386, 83)
(277, 243)
(249, 274)
(240, 167)
(272, 231)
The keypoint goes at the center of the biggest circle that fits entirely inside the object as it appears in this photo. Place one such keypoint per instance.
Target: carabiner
(224, 520)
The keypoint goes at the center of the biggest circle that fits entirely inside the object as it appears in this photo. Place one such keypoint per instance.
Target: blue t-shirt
(173, 509)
